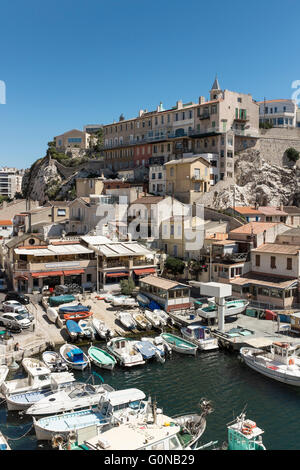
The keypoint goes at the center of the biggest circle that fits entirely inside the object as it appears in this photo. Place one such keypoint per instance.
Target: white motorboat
(54, 361)
(153, 318)
(159, 343)
(3, 374)
(126, 319)
(39, 376)
(23, 400)
(141, 321)
(162, 315)
(3, 442)
(74, 356)
(201, 336)
(52, 314)
(232, 307)
(125, 353)
(87, 328)
(149, 351)
(114, 407)
(100, 327)
(75, 396)
(143, 299)
(124, 301)
(280, 363)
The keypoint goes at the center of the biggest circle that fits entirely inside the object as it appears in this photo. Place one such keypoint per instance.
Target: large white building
(10, 181)
(279, 113)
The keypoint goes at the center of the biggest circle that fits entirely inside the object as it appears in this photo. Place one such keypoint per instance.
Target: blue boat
(74, 329)
(148, 350)
(74, 356)
(74, 308)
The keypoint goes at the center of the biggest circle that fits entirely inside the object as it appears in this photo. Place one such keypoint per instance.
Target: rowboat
(101, 328)
(54, 361)
(74, 356)
(74, 308)
(178, 344)
(74, 330)
(3, 374)
(76, 316)
(141, 321)
(125, 353)
(101, 358)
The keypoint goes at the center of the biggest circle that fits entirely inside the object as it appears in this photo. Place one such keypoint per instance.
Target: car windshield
(19, 317)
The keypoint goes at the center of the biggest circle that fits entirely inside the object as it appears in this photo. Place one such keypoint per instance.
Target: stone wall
(273, 143)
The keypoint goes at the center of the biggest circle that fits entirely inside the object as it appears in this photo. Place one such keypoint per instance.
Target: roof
(277, 248)
(14, 241)
(161, 282)
(247, 210)
(6, 222)
(188, 160)
(254, 227)
(281, 282)
(117, 249)
(96, 240)
(52, 250)
(216, 85)
(148, 200)
(292, 232)
(269, 210)
(292, 210)
(273, 101)
(124, 396)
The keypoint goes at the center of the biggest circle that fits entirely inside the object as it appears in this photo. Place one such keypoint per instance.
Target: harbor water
(180, 383)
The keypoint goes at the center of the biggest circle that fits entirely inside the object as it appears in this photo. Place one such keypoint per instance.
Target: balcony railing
(143, 262)
(204, 116)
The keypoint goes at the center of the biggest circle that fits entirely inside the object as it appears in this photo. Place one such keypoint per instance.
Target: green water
(180, 383)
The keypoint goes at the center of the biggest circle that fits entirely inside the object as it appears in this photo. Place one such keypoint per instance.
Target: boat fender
(291, 362)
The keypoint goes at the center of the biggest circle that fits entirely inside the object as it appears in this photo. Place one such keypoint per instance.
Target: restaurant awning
(140, 272)
(118, 274)
(74, 271)
(47, 274)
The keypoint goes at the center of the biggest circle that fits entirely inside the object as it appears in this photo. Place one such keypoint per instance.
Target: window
(257, 260)
(289, 263)
(172, 171)
(273, 262)
(176, 117)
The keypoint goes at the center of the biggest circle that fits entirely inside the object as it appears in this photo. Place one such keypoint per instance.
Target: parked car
(10, 320)
(26, 314)
(11, 306)
(21, 298)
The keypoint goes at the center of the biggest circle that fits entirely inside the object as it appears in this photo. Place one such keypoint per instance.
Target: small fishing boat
(74, 356)
(126, 319)
(141, 321)
(280, 363)
(201, 336)
(39, 376)
(32, 363)
(102, 330)
(232, 307)
(101, 358)
(3, 374)
(125, 353)
(23, 400)
(158, 342)
(74, 330)
(178, 344)
(87, 329)
(57, 300)
(3, 442)
(74, 308)
(54, 361)
(52, 314)
(164, 317)
(123, 301)
(73, 397)
(76, 316)
(243, 434)
(149, 351)
(114, 407)
(153, 318)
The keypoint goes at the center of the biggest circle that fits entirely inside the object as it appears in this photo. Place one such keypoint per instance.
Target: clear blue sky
(68, 63)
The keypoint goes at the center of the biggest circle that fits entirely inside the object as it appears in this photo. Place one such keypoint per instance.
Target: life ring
(246, 431)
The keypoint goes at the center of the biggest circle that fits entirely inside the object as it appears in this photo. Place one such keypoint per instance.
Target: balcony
(204, 116)
(242, 118)
(143, 262)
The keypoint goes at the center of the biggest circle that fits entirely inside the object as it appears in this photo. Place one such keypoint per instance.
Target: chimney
(141, 112)
(201, 99)
(179, 104)
(281, 207)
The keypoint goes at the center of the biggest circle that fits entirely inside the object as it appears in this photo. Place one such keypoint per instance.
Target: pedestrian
(33, 326)
(16, 348)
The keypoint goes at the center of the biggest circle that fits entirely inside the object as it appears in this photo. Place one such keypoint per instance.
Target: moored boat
(244, 434)
(149, 351)
(74, 308)
(126, 319)
(280, 363)
(125, 353)
(38, 376)
(178, 344)
(74, 330)
(74, 356)
(3, 442)
(141, 321)
(87, 328)
(101, 358)
(3, 374)
(54, 361)
(102, 330)
(201, 336)
(153, 318)
(164, 317)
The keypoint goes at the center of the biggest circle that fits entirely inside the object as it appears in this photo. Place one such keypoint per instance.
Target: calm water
(180, 383)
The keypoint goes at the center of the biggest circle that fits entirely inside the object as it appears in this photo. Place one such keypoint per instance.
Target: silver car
(14, 319)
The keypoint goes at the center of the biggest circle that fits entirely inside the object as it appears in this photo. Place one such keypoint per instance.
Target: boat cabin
(131, 399)
(75, 355)
(284, 352)
(243, 434)
(198, 332)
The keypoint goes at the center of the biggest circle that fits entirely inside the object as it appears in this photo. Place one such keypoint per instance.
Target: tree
(175, 265)
(292, 154)
(127, 286)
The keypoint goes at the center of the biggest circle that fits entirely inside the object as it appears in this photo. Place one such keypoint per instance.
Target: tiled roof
(161, 282)
(259, 279)
(272, 101)
(277, 248)
(268, 210)
(247, 210)
(292, 210)
(148, 200)
(254, 227)
(188, 160)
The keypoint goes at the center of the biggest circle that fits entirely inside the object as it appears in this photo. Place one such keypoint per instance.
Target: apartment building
(262, 213)
(10, 181)
(54, 212)
(226, 122)
(278, 113)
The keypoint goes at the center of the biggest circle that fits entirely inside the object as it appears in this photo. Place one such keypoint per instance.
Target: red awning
(139, 272)
(48, 274)
(117, 274)
(74, 271)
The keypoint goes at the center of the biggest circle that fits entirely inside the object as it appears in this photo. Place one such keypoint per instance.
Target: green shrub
(292, 154)
(175, 265)
(127, 286)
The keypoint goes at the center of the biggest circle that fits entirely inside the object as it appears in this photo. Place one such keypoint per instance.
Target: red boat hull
(76, 316)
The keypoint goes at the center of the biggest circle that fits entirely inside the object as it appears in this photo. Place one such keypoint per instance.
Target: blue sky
(69, 63)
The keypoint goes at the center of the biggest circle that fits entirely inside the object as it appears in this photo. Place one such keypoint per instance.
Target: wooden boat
(74, 330)
(100, 327)
(125, 353)
(54, 361)
(74, 308)
(87, 329)
(281, 363)
(126, 319)
(3, 374)
(141, 321)
(76, 316)
(201, 336)
(101, 358)
(153, 318)
(74, 356)
(178, 344)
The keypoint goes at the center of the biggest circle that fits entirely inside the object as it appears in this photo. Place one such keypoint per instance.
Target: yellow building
(187, 178)
(87, 186)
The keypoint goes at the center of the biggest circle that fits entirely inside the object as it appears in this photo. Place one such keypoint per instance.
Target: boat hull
(203, 345)
(181, 349)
